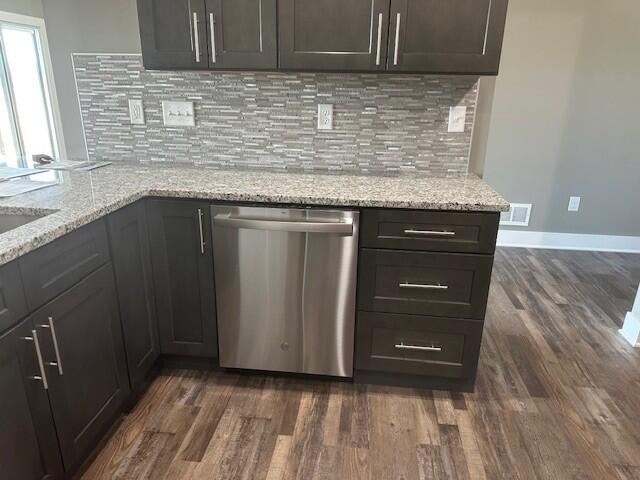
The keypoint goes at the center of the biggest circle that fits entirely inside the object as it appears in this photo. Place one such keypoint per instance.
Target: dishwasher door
(286, 288)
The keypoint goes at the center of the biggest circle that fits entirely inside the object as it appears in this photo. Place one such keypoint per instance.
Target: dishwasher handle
(343, 228)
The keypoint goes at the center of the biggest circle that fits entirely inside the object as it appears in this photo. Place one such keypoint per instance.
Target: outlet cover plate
(325, 117)
(574, 204)
(457, 119)
(178, 114)
(136, 112)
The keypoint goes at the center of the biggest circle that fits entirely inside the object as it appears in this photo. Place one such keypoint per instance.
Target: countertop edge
(68, 225)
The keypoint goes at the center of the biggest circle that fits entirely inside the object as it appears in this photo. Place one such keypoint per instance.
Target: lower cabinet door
(81, 340)
(28, 445)
(180, 236)
(132, 267)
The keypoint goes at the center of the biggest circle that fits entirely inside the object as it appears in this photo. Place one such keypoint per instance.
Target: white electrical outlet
(178, 114)
(136, 112)
(574, 204)
(325, 117)
(457, 119)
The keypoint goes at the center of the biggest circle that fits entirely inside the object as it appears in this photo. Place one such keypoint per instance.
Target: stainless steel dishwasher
(286, 288)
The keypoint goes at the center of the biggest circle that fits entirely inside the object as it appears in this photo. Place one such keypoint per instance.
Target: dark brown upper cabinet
(446, 36)
(173, 34)
(333, 34)
(242, 34)
(208, 34)
(419, 36)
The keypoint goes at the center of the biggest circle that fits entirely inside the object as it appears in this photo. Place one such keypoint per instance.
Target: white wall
(33, 8)
(565, 115)
(88, 26)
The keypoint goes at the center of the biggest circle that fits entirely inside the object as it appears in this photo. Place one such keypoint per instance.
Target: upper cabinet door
(333, 34)
(173, 34)
(446, 36)
(242, 34)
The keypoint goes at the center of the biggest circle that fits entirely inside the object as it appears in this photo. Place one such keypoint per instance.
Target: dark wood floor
(558, 397)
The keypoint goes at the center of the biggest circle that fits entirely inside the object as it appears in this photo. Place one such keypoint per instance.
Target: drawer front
(430, 231)
(417, 345)
(13, 306)
(438, 284)
(54, 268)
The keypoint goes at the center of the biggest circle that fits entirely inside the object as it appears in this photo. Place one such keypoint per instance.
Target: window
(28, 123)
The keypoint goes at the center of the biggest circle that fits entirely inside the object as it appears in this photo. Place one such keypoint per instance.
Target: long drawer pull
(56, 348)
(420, 348)
(43, 376)
(435, 233)
(424, 286)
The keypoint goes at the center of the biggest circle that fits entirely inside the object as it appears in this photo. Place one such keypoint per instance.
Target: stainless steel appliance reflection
(285, 288)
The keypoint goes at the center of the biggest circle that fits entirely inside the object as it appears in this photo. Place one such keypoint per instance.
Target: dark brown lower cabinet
(81, 340)
(13, 305)
(182, 258)
(131, 259)
(28, 445)
(421, 305)
(424, 283)
(417, 345)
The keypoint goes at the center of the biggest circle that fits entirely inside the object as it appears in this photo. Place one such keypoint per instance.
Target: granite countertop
(83, 197)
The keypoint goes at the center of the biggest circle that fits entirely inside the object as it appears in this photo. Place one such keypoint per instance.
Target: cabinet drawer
(433, 231)
(54, 268)
(13, 306)
(417, 345)
(439, 284)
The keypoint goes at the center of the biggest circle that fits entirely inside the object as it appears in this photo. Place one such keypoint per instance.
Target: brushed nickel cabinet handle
(56, 348)
(212, 26)
(196, 35)
(423, 286)
(397, 46)
(435, 233)
(43, 376)
(420, 348)
(202, 244)
(379, 39)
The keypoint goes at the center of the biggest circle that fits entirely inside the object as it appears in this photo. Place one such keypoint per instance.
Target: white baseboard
(568, 241)
(631, 329)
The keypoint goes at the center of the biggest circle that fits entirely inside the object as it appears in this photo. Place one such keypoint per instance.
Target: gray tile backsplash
(252, 119)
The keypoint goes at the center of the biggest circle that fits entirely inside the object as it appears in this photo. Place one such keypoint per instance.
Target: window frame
(46, 68)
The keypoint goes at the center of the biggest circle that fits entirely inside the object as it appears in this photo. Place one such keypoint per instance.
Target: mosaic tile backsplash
(382, 123)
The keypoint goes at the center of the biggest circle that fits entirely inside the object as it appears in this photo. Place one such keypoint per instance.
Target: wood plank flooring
(557, 397)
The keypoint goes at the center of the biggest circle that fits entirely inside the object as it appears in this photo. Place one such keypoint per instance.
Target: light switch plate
(325, 117)
(457, 119)
(136, 112)
(178, 114)
(574, 204)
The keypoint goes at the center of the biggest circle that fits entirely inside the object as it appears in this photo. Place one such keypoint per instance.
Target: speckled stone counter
(83, 197)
